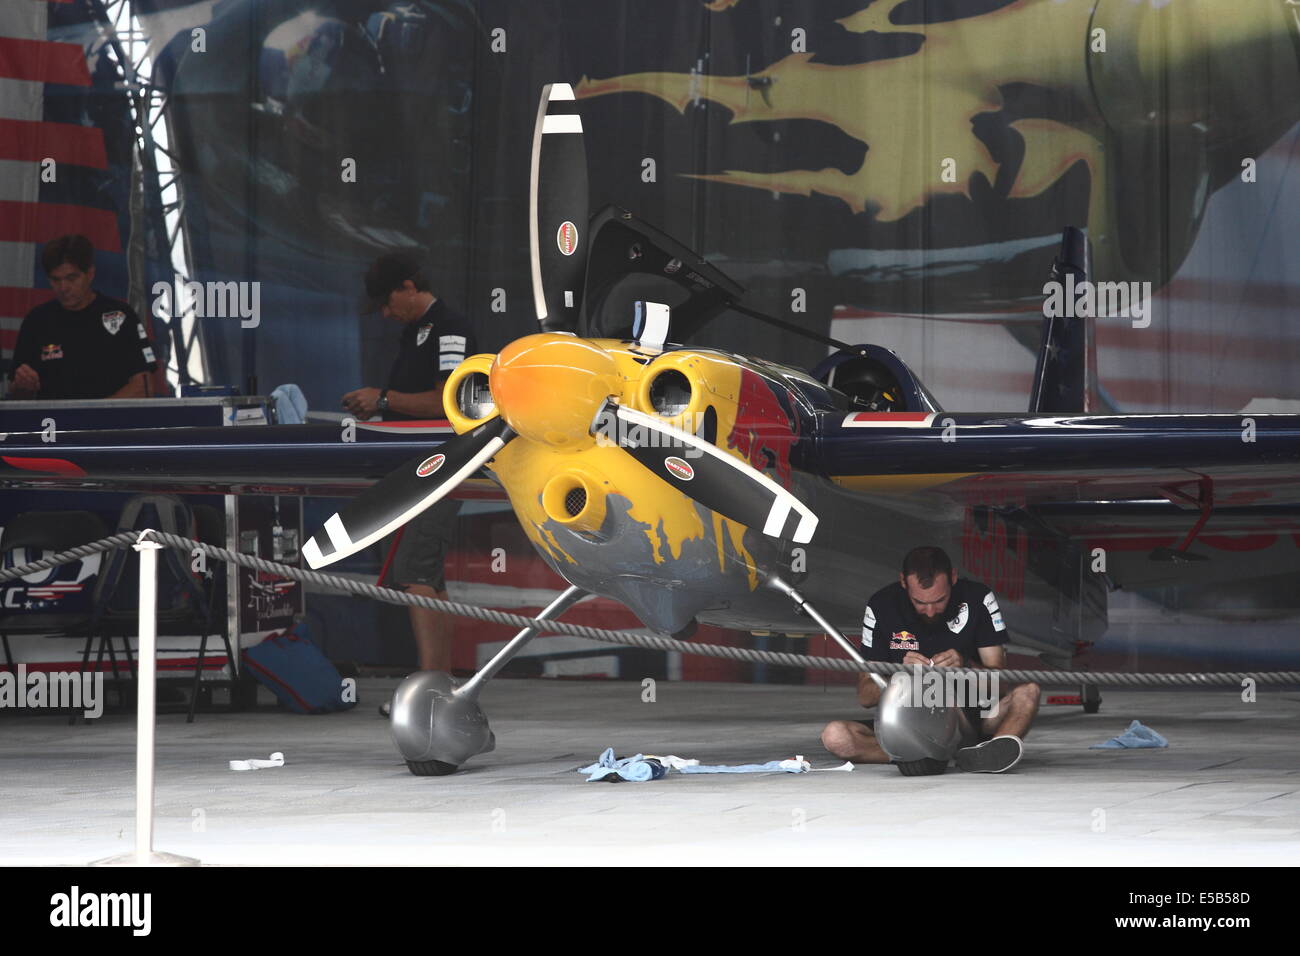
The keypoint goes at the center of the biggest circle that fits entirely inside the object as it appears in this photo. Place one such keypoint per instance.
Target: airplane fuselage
(615, 528)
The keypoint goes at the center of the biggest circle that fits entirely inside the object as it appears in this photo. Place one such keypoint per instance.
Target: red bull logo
(904, 641)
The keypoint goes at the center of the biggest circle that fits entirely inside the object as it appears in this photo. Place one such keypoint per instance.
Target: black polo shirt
(90, 353)
(891, 627)
(430, 349)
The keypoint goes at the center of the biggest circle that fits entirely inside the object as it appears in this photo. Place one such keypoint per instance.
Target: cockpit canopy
(874, 379)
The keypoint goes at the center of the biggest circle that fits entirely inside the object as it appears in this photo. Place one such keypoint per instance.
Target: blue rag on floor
(640, 768)
(1136, 737)
(768, 767)
(635, 769)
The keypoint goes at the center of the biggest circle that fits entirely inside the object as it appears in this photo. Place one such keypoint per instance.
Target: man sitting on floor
(930, 617)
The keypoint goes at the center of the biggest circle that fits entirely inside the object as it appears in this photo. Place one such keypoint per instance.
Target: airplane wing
(1170, 499)
(1129, 484)
(324, 460)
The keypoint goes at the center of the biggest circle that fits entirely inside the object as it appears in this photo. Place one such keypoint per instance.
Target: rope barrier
(656, 642)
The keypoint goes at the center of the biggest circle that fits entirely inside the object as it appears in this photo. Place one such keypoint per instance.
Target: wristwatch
(382, 404)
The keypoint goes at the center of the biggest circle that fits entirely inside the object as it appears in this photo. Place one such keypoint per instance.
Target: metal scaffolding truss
(158, 249)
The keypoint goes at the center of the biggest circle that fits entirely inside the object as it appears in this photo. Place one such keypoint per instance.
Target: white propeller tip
(311, 551)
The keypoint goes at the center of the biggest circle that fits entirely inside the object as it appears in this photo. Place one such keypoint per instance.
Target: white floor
(1226, 791)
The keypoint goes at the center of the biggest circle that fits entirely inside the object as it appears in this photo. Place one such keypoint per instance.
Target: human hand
(948, 658)
(26, 379)
(912, 657)
(363, 402)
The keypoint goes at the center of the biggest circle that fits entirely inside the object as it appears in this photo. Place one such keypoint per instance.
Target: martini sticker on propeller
(566, 237)
(679, 469)
(430, 465)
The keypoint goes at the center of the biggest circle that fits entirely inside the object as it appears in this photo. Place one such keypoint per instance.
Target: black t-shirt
(430, 350)
(90, 353)
(891, 627)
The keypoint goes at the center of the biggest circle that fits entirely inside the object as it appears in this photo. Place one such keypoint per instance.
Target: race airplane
(702, 485)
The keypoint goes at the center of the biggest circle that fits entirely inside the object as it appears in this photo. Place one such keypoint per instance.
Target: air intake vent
(575, 500)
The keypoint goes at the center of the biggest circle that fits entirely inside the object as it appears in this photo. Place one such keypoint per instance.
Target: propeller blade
(404, 493)
(557, 208)
(715, 479)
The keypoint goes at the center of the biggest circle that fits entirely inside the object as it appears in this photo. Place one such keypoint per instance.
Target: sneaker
(386, 710)
(992, 756)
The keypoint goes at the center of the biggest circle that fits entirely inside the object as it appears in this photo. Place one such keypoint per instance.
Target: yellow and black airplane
(704, 485)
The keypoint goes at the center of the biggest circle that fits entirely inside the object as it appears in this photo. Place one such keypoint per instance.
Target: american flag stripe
(43, 61)
(26, 20)
(62, 142)
(20, 99)
(17, 265)
(17, 301)
(39, 222)
(19, 181)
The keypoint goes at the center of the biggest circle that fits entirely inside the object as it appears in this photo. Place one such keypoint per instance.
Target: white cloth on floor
(277, 760)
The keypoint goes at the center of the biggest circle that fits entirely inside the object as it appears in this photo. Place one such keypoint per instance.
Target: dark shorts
(423, 548)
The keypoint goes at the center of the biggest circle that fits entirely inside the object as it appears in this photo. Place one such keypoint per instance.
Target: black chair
(50, 532)
(184, 605)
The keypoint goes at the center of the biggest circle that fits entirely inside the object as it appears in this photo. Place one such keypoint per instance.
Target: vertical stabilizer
(1065, 376)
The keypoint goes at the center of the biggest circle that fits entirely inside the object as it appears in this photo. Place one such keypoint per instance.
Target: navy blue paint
(1062, 445)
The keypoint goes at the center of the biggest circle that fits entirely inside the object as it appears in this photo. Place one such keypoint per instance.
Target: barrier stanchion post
(146, 718)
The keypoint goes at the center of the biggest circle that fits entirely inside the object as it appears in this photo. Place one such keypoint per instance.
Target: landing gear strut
(776, 583)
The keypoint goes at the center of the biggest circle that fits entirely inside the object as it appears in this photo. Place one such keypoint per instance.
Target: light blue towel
(1137, 737)
(635, 769)
(639, 768)
(769, 767)
(290, 405)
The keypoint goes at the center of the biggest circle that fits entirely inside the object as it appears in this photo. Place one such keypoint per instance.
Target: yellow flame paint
(913, 112)
(670, 518)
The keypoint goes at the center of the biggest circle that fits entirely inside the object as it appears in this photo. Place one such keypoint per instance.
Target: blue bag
(295, 670)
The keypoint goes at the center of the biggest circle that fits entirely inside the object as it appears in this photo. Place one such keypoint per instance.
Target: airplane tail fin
(1065, 376)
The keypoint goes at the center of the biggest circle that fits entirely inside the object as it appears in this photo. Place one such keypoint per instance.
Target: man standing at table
(435, 339)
